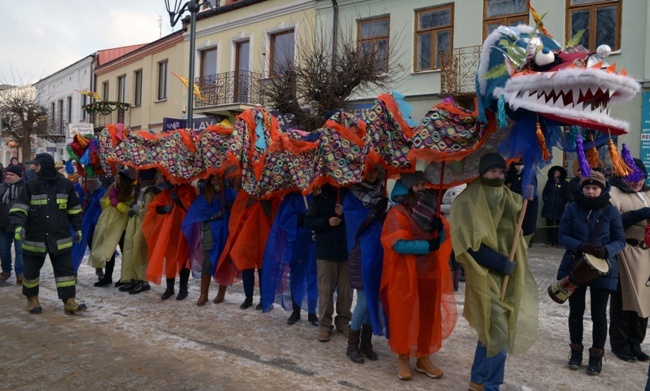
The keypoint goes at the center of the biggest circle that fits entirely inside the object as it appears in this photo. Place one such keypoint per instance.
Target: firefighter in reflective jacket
(42, 215)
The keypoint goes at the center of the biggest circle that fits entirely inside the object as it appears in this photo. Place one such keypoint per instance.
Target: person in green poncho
(483, 224)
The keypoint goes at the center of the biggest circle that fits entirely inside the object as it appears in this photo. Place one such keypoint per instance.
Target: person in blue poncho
(91, 192)
(364, 208)
(289, 273)
(206, 228)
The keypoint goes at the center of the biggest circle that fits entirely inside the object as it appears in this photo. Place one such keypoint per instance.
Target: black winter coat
(331, 242)
(5, 223)
(554, 194)
(46, 208)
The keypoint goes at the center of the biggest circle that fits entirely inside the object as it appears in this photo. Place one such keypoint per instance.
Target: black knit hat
(409, 180)
(491, 160)
(148, 174)
(14, 170)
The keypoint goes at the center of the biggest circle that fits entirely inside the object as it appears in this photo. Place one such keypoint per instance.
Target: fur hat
(14, 170)
(595, 178)
(491, 160)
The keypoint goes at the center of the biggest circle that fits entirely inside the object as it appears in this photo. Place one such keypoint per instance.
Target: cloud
(40, 38)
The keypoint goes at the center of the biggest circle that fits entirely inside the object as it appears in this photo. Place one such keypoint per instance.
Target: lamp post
(175, 14)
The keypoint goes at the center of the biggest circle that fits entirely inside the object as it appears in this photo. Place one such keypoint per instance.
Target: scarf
(368, 193)
(423, 209)
(592, 203)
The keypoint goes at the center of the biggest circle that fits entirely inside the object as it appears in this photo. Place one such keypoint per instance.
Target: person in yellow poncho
(111, 226)
(483, 223)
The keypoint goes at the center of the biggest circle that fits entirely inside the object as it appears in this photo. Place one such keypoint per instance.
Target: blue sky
(40, 37)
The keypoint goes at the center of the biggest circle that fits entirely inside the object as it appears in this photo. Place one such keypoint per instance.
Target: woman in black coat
(555, 198)
(577, 229)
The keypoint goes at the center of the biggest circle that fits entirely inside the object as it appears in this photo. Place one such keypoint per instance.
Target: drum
(586, 270)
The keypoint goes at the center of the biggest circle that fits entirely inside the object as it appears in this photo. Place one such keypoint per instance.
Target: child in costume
(134, 257)
(249, 228)
(167, 247)
(289, 274)
(206, 230)
(364, 208)
(416, 284)
(109, 232)
(92, 192)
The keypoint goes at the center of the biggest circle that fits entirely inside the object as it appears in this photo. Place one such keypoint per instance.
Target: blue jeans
(488, 371)
(360, 315)
(6, 239)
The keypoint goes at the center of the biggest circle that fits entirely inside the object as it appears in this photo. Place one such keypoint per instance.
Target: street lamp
(175, 14)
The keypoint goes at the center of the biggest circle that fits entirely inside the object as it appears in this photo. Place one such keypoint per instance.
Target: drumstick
(513, 250)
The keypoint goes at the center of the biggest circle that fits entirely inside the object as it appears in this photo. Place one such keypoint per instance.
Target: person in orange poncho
(249, 228)
(168, 250)
(416, 285)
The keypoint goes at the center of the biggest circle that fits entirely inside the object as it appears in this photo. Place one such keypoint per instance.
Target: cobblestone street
(140, 342)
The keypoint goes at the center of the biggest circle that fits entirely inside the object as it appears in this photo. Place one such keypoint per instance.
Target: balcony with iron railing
(458, 72)
(229, 91)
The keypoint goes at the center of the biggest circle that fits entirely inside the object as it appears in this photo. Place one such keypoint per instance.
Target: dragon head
(530, 72)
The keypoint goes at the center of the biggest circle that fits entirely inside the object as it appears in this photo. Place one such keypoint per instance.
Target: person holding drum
(630, 306)
(591, 226)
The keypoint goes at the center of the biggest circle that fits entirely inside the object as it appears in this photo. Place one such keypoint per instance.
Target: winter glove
(509, 267)
(216, 216)
(380, 208)
(226, 204)
(434, 244)
(643, 213)
(135, 209)
(77, 237)
(164, 209)
(600, 252)
(19, 233)
(436, 224)
(587, 248)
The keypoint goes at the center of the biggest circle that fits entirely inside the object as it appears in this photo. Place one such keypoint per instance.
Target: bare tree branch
(315, 85)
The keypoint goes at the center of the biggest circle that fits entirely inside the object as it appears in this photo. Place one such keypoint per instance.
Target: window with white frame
(137, 85)
(121, 88)
(162, 80)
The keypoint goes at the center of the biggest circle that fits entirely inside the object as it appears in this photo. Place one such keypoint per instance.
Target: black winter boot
(575, 357)
(295, 315)
(595, 361)
(366, 343)
(182, 288)
(170, 289)
(353, 346)
(638, 353)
